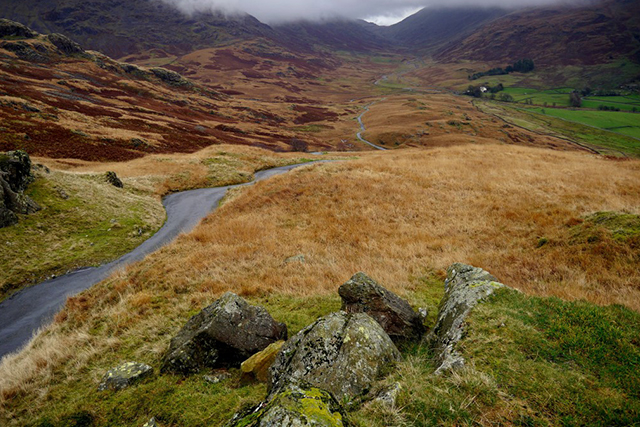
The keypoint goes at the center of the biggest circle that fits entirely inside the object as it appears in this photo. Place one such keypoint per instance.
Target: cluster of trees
(575, 99)
(479, 91)
(520, 66)
(600, 92)
(607, 108)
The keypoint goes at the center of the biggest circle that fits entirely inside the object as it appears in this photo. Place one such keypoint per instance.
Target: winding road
(363, 128)
(23, 314)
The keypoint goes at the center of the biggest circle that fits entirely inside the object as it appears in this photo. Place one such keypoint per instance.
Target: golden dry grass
(397, 216)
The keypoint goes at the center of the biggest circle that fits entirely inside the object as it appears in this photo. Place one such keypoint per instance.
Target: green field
(619, 122)
(624, 103)
(558, 97)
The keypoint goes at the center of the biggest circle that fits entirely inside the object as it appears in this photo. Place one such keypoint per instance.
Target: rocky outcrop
(341, 353)
(222, 335)
(15, 176)
(113, 179)
(32, 52)
(464, 288)
(65, 44)
(257, 366)
(295, 407)
(124, 376)
(170, 77)
(15, 29)
(361, 294)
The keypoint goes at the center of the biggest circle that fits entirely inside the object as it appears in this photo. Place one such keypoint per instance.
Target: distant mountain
(351, 35)
(561, 35)
(435, 26)
(118, 28)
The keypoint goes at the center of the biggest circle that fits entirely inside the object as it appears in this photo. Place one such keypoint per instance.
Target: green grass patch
(621, 227)
(84, 221)
(530, 362)
(619, 122)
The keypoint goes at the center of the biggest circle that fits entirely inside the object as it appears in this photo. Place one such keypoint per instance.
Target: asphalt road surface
(28, 310)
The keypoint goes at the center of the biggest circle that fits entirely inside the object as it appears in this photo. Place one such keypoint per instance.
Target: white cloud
(383, 11)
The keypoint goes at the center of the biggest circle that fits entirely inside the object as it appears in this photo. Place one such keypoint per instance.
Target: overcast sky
(383, 12)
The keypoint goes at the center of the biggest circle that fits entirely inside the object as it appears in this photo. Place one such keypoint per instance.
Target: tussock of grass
(402, 217)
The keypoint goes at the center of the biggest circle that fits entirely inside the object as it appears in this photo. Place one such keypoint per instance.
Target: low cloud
(381, 11)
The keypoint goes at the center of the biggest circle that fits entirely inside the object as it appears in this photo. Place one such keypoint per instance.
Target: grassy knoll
(402, 217)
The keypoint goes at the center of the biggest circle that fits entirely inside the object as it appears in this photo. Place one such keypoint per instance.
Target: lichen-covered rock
(15, 29)
(16, 167)
(65, 44)
(124, 376)
(113, 179)
(361, 294)
(224, 334)
(295, 407)
(15, 175)
(341, 353)
(170, 77)
(257, 366)
(464, 288)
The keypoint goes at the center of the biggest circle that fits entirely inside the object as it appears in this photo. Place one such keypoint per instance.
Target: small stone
(388, 396)
(124, 376)
(151, 423)
(217, 377)
(257, 366)
(297, 258)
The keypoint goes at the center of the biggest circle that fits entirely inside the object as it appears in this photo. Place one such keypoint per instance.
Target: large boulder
(341, 353)
(124, 376)
(296, 407)
(361, 294)
(222, 335)
(464, 288)
(15, 175)
(15, 29)
(16, 167)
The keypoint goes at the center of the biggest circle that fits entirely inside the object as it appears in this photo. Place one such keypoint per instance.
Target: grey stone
(295, 407)
(170, 77)
(341, 353)
(464, 288)
(151, 423)
(389, 395)
(15, 175)
(124, 376)
(361, 294)
(224, 334)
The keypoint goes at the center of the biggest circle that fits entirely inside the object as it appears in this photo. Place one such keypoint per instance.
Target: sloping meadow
(403, 217)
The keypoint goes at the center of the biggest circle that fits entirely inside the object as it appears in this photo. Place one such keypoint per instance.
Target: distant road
(363, 128)
(24, 313)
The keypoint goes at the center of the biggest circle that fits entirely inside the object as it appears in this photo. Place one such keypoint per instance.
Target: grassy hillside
(86, 221)
(401, 217)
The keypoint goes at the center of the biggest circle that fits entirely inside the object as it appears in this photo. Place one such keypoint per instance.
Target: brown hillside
(556, 36)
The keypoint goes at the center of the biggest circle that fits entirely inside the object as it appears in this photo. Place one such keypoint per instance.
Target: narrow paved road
(28, 310)
(363, 128)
